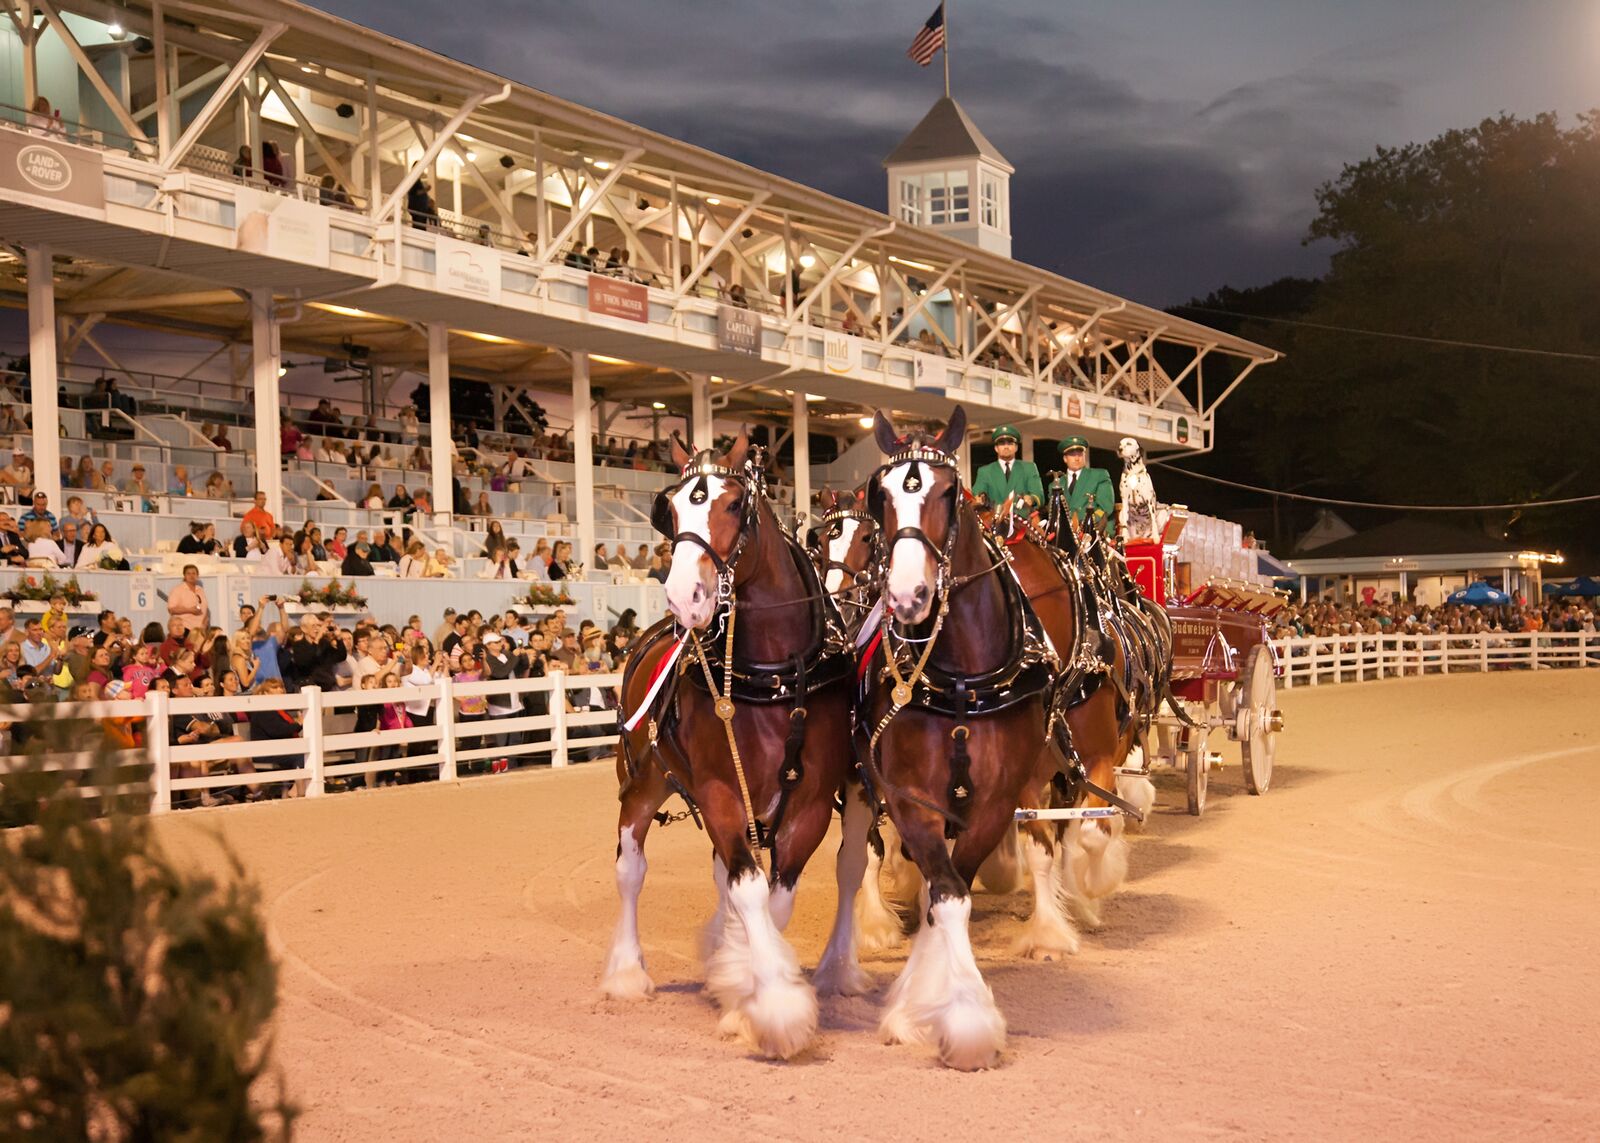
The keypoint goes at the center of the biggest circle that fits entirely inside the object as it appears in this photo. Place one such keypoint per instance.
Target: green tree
(1489, 234)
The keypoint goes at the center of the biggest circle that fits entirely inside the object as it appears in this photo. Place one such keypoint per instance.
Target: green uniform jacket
(991, 482)
(1095, 482)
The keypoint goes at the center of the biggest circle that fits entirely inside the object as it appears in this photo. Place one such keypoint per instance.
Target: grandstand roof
(320, 40)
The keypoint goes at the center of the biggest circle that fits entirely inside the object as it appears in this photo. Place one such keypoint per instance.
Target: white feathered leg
(877, 924)
(779, 1014)
(839, 972)
(1048, 934)
(625, 977)
(941, 998)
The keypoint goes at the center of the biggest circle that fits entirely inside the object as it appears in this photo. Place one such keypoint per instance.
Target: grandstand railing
(1323, 660)
(328, 745)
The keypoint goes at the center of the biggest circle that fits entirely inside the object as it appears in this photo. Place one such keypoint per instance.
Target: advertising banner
(43, 165)
(738, 330)
(616, 298)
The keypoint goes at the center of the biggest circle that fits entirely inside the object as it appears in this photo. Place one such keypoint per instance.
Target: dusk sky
(1162, 147)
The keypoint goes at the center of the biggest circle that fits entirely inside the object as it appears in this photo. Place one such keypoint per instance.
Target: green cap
(1005, 433)
(1072, 443)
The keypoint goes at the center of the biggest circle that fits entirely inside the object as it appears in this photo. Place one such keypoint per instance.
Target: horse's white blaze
(941, 998)
(839, 971)
(625, 976)
(838, 548)
(910, 565)
(777, 1012)
(691, 587)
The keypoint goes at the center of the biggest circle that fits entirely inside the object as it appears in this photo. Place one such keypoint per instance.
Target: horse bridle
(698, 470)
(835, 518)
(935, 458)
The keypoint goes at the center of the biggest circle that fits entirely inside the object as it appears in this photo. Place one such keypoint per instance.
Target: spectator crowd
(43, 661)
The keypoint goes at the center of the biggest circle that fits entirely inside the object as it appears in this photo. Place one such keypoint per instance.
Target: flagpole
(945, 5)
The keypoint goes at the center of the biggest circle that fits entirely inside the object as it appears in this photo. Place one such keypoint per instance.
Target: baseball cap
(492, 637)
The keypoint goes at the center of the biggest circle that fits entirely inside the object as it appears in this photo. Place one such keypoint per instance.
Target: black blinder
(875, 498)
(661, 515)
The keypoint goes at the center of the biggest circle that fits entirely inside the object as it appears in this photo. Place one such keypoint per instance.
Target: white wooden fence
(1318, 661)
(328, 745)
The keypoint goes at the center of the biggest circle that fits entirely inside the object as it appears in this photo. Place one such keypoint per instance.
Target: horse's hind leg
(839, 972)
(625, 977)
(877, 924)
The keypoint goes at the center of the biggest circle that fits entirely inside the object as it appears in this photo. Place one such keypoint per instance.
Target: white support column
(700, 409)
(439, 420)
(802, 455)
(582, 465)
(46, 386)
(264, 367)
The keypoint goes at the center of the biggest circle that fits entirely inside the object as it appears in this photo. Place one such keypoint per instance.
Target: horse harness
(728, 680)
(917, 683)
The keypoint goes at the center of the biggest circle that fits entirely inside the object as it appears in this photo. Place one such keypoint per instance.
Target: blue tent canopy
(1584, 585)
(1270, 565)
(1556, 587)
(1479, 594)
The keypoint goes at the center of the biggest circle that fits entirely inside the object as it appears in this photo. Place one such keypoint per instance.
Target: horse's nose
(919, 597)
(698, 594)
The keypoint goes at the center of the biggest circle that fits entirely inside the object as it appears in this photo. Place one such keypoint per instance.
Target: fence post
(156, 738)
(558, 718)
(1316, 649)
(1285, 656)
(1533, 648)
(316, 782)
(446, 724)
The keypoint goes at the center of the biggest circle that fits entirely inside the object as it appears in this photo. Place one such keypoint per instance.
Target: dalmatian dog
(1136, 514)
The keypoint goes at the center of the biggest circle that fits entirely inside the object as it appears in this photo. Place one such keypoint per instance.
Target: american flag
(930, 38)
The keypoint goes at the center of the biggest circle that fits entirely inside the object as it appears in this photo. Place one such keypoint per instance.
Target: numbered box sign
(143, 595)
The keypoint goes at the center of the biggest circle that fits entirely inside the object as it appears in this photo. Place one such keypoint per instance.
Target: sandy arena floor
(1398, 942)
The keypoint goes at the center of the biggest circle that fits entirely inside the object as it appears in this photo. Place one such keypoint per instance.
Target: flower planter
(295, 607)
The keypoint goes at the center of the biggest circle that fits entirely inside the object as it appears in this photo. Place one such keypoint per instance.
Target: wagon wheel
(1192, 749)
(1258, 720)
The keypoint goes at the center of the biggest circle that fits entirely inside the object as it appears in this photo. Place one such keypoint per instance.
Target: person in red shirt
(260, 519)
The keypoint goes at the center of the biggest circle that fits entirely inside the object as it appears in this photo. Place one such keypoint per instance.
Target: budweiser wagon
(1224, 673)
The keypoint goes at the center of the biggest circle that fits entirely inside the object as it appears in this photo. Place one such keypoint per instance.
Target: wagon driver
(1008, 476)
(1088, 490)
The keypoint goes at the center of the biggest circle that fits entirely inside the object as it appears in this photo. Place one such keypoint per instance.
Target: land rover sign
(51, 169)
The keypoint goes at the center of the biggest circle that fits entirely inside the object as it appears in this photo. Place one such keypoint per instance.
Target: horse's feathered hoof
(631, 982)
(782, 1019)
(841, 978)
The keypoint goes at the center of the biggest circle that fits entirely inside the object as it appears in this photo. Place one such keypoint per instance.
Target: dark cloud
(1157, 198)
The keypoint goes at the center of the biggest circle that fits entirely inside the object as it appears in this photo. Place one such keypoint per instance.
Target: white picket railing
(328, 745)
(1320, 660)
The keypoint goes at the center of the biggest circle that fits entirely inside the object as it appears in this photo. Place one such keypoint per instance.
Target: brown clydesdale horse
(1075, 863)
(950, 608)
(733, 563)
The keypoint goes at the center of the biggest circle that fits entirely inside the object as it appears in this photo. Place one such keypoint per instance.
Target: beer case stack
(1210, 548)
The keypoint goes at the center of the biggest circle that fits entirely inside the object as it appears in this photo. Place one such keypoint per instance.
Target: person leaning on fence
(278, 726)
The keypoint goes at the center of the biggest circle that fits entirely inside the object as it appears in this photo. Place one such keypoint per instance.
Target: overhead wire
(1521, 505)
(1448, 342)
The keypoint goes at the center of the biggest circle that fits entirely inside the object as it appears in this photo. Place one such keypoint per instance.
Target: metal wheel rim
(1258, 748)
